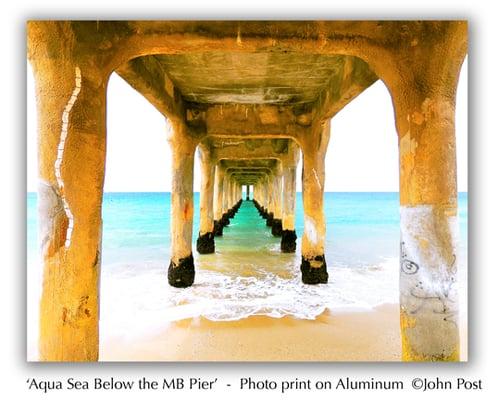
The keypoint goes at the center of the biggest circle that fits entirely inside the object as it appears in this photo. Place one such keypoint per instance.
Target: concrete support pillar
(235, 197)
(225, 220)
(262, 193)
(228, 194)
(428, 217)
(71, 109)
(270, 199)
(247, 192)
(266, 195)
(314, 147)
(276, 228)
(226, 184)
(231, 197)
(181, 269)
(288, 243)
(205, 241)
(232, 193)
(218, 199)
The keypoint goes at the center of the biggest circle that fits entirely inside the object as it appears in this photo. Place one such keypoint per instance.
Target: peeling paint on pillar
(310, 231)
(428, 283)
(60, 154)
(53, 222)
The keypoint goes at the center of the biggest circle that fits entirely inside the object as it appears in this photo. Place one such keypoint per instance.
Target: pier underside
(251, 98)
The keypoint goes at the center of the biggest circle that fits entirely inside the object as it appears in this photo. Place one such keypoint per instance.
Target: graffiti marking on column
(409, 267)
(437, 298)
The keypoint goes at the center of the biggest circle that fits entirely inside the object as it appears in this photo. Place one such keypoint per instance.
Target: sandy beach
(332, 336)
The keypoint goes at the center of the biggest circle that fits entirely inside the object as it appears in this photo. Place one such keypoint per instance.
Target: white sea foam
(137, 300)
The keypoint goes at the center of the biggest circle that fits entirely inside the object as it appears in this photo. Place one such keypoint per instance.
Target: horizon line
(300, 191)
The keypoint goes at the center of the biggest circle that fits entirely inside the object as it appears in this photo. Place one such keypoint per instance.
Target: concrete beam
(355, 77)
(254, 121)
(147, 76)
(256, 149)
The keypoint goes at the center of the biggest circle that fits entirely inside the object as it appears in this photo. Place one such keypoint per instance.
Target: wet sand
(333, 336)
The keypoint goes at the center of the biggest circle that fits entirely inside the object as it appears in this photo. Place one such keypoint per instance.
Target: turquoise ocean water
(247, 275)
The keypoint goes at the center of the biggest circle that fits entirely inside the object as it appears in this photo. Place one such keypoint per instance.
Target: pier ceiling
(260, 89)
(186, 70)
(263, 77)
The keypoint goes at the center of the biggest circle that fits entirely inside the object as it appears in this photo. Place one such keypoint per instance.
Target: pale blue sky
(362, 153)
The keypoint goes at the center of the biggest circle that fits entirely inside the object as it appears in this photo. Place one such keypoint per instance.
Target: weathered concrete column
(181, 270)
(205, 241)
(235, 196)
(238, 194)
(288, 243)
(255, 197)
(247, 192)
(266, 195)
(226, 200)
(314, 147)
(425, 115)
(270, 199)
(231, 195)
(218, 199)
(228, 194)
(226, 183)
(276, 227)
(71, 107)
